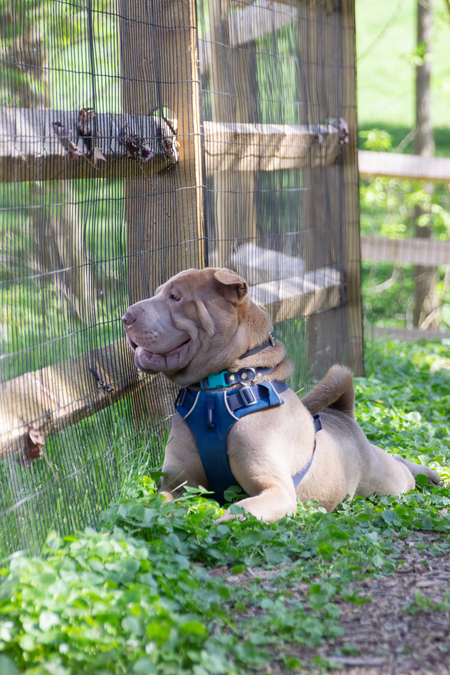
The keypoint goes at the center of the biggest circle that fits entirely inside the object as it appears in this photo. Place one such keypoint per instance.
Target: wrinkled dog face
(189, 326)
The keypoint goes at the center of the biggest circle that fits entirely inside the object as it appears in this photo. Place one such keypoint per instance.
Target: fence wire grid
(138, 139)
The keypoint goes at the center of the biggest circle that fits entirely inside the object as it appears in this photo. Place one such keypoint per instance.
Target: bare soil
(393, 633)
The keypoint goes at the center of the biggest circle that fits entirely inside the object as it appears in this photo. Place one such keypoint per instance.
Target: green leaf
(292, 663)
(325, 549)
(131, 624)
(238, 569)
(225, 592)
(193, 628)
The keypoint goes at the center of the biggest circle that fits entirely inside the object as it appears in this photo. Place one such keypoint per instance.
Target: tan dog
(202, 322)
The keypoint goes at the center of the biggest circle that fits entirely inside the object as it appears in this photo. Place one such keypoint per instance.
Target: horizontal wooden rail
(299, 296)
(409, 167)
(269, 147)
(54, 397)
(39, 145)
(257, 20)
(410, 334)
(417, 251)
(248, 24)
(40, 403)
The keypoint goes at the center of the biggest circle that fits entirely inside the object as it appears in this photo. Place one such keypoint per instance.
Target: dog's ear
(234, 287)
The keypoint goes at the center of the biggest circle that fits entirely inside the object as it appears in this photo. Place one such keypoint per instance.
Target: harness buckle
(214, 381)
(247, 396)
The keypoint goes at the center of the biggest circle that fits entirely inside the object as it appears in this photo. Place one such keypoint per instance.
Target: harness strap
(236, 398)
(269, 343)
(210, 415)
(298, 476)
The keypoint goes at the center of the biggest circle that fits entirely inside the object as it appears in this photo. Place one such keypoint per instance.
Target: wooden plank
(299, 296)
(426, 252)
(163, 214)
(254, 22)
(55, 397)
(247, 25)
(410, 334)
(258, 265)
(409, 167)
(30, 149)
(268, 147)
(233, 86)
(351, 230)
(165, 232)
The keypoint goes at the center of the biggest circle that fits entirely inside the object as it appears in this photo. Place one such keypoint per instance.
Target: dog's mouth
(158, 361)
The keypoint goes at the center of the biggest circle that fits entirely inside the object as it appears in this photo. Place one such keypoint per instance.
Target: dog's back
(334, 391)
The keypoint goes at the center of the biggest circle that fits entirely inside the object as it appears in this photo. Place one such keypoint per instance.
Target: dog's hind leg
(334, 391)
(420, 469)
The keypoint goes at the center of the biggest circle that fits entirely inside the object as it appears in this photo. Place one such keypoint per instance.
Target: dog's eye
(175, 297)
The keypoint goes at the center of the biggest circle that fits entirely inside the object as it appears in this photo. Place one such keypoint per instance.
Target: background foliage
(386, 60)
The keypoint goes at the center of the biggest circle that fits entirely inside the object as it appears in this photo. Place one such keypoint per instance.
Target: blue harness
(211, 414)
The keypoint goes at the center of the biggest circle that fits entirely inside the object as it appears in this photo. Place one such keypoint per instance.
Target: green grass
(158, 588)
(84, 467)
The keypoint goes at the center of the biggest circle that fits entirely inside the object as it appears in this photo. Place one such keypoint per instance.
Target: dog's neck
(259, 364)
(258, 327)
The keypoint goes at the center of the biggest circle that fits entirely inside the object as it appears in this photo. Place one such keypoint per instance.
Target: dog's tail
(335, 391)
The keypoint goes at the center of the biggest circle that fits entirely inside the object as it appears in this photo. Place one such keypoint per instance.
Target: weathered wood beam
(409, 167)
(32, 150)
(257, 20)
(58, 396)
(424, 252)
(165, 224)
(268, 147)
(247, 25)
(410, 334)
(298, 296)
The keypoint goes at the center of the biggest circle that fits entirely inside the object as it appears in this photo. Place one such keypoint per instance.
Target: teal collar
(226, 378)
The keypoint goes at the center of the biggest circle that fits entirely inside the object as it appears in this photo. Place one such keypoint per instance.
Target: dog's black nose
(128, 319)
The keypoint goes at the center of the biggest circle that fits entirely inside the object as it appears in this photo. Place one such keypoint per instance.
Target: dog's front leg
(271, 504)
(182, 464)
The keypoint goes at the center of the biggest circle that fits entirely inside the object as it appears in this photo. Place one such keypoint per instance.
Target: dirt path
(397, 632)
(386, 637)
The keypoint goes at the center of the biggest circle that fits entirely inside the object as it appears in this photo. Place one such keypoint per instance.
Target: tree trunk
(425, 297)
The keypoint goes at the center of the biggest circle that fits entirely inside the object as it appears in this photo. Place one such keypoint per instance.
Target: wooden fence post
(331, 229)
(159, 69)
(231, 101)
(164, 213)
(351, 241)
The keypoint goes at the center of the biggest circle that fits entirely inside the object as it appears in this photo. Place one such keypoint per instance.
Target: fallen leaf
(98, 156)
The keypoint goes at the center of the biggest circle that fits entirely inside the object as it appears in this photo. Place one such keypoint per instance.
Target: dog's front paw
(232, 514)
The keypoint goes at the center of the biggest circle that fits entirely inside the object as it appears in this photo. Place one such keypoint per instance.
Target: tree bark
(425, 278)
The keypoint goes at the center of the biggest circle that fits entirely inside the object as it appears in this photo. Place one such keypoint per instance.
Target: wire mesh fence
(138, 139)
